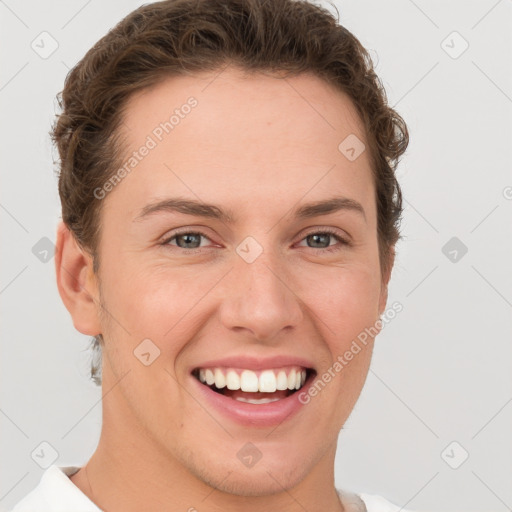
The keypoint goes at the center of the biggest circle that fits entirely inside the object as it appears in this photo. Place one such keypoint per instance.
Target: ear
(385, 281)
(77, 283)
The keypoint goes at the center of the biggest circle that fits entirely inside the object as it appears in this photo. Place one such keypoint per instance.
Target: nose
(259, 298)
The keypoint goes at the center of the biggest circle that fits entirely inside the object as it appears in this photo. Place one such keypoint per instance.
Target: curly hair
(179, 37)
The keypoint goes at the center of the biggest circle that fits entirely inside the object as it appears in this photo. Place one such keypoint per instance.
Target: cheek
(160, 303)
(168, 304)
(345, 299)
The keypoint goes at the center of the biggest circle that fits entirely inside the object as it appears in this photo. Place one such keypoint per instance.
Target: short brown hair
(177, 37)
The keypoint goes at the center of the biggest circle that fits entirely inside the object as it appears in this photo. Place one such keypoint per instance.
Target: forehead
(234, 99)
(246, 136)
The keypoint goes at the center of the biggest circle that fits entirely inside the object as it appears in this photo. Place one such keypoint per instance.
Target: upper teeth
(266, 381)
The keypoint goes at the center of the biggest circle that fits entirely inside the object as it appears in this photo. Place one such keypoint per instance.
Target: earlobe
(76, 282)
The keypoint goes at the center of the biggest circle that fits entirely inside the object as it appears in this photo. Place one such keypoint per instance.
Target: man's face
(262, 290)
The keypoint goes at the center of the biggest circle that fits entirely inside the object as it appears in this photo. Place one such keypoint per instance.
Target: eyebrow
(327, 206)
(200, 209)
(188, 207)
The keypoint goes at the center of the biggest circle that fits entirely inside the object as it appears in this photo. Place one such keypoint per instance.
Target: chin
(264, 481)
(271, 474)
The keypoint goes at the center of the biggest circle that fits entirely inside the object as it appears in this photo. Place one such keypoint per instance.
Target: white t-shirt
(57, 493)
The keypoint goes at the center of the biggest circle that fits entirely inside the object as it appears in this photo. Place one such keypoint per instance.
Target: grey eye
(190, 240)
(319, 238)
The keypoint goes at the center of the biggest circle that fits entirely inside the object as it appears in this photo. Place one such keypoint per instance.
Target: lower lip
(260, 415)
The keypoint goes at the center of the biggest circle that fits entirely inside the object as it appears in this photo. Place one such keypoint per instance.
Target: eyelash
(342, 241)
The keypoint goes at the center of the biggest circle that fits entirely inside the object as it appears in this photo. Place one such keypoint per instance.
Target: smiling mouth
(255, 387)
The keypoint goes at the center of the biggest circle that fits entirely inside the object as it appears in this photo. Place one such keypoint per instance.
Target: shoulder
(368, 503)
(56, 493)
(375, 503)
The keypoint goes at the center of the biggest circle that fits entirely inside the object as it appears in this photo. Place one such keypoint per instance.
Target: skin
(259, 146)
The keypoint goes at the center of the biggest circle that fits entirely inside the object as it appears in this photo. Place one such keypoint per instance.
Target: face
(249, 286)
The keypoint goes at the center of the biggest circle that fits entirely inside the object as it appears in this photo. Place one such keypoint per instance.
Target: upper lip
(255, 363)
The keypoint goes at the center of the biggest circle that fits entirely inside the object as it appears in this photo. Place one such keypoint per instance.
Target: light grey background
(441, 370)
